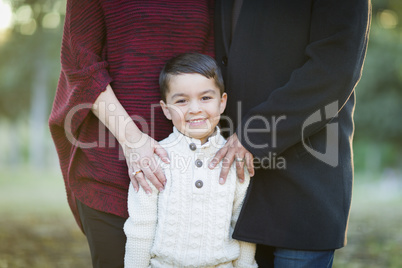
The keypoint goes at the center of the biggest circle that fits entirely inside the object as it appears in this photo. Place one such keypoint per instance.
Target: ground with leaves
(37, 230)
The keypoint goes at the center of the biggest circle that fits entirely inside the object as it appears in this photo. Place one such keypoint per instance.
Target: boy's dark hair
(190, 63)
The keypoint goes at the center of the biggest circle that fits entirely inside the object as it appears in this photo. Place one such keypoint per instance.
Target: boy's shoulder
(170, 140)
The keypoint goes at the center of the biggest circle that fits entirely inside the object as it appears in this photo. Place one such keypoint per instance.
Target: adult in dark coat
(290, 68)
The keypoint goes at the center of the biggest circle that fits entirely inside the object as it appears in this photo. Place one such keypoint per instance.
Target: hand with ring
(233, 150)
(136, 172)
(142, 164)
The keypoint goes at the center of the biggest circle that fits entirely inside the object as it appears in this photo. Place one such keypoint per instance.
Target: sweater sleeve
(247, 250)
(84, 73)
(140, 226)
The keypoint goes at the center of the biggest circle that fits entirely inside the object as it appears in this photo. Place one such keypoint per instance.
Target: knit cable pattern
(187, 226)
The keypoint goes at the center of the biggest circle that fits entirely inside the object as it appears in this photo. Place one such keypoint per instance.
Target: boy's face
(194, 105)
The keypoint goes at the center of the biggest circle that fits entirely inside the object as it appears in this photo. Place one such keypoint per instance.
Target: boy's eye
(206, 98)
(180, 101)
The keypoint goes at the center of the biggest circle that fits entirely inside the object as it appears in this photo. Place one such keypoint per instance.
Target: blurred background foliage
(30, 39)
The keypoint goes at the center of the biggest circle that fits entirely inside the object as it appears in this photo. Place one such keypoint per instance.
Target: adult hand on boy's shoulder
(233, 150)
(142, 164)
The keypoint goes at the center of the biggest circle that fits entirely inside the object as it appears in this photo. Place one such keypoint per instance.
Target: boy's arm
(140, 226)
(247, 250)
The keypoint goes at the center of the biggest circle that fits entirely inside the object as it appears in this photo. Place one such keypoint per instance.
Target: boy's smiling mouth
(197, 121)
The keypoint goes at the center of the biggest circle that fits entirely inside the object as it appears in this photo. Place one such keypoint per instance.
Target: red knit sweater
(124, 43)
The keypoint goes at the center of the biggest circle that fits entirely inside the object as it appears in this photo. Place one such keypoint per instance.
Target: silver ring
(238, 159)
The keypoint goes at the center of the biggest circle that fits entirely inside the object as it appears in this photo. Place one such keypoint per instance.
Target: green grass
(32, 191)
(375, 231)
(37, 229)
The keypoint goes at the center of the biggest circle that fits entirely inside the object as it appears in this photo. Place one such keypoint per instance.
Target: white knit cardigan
(190, 223)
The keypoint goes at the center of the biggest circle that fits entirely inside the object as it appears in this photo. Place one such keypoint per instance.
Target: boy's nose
(195, 107)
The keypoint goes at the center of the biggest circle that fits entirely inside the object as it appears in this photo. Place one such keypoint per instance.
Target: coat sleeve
(140, 226)
(335, 55)
(84, 74)
(247, 250)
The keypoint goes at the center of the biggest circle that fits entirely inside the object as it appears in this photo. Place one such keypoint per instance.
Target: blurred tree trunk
(373, 159)
(15, 158)
(38, 110)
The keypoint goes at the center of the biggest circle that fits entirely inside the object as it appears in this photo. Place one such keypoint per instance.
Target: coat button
(225, 60)
(198, 163)
(193, 146)
(199, 184)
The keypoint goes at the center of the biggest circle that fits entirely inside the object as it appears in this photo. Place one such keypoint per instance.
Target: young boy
(190, 223)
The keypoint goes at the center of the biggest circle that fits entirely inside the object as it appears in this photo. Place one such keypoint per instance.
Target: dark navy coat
(290, 71)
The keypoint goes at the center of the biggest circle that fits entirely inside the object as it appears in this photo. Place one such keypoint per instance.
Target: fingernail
(136, 189)
(211, 165)
(161, 190)
(148, 192)
(221, 180)
(241, 180)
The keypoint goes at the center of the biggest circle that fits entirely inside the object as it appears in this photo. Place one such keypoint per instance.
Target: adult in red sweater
(105, 118)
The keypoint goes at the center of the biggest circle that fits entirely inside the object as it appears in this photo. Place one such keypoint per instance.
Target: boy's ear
(165, 110)
(223, 102)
